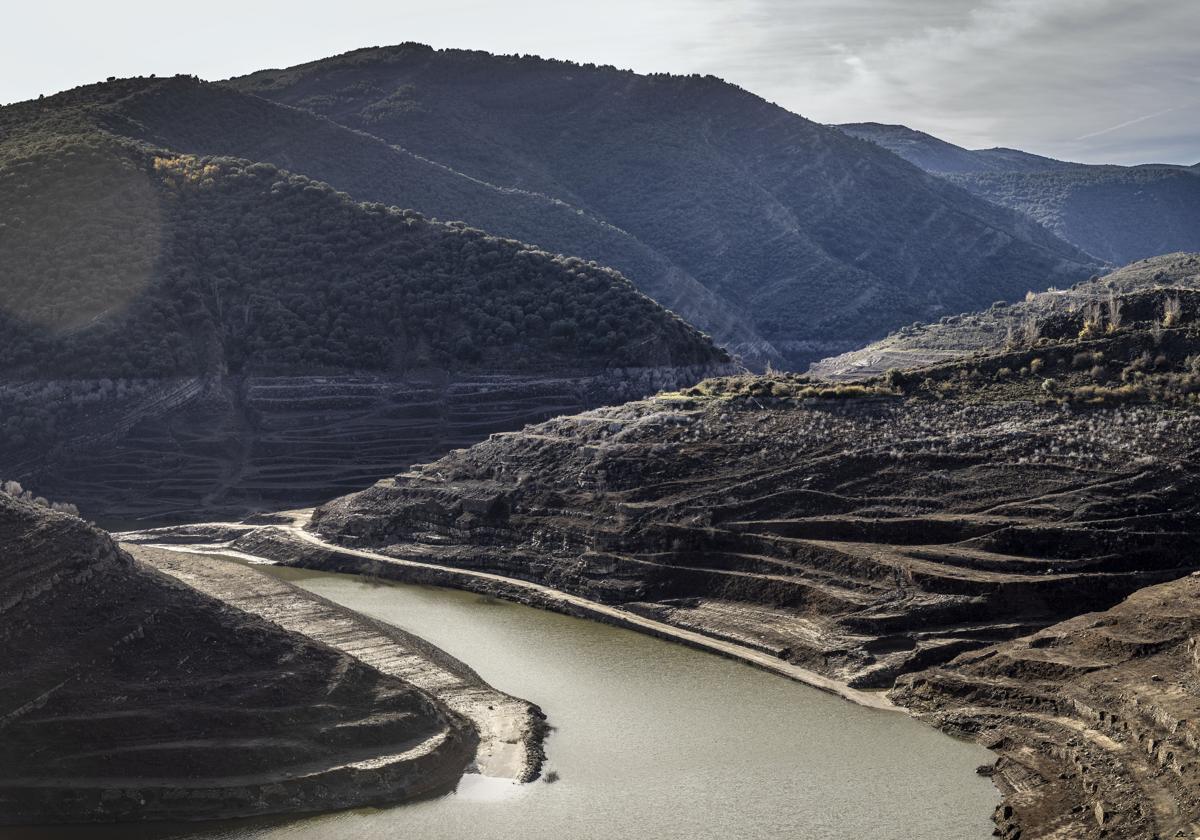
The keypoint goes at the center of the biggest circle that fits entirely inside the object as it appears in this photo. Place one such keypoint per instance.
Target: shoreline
(279, 543)
(511, 731)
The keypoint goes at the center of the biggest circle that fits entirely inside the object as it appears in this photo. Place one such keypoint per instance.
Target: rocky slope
(817, 240)
(1116, 213)
(1095, 719)
(126, 695)
(861, 531)
(1006, 326)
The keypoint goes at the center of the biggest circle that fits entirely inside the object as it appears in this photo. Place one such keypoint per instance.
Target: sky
(1097, 81)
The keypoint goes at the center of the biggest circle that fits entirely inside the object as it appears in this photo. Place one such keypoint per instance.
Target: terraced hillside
(1094, 718)
(151, 451)
(1004, 327)
(1116, 213)
(861, 539)
(818, 241)
(127, 695)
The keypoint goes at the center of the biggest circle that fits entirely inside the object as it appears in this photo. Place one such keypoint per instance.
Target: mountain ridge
(1118, 213)
(673, 161)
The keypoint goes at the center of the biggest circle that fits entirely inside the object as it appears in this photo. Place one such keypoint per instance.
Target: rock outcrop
(1003, 327)
(1094, 719)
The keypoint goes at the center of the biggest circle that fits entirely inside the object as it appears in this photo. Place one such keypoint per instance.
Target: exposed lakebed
(651, 739)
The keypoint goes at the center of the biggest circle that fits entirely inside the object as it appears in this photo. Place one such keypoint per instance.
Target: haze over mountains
(1116, 213)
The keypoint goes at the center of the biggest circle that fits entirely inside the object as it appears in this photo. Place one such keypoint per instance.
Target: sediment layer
(159, 451)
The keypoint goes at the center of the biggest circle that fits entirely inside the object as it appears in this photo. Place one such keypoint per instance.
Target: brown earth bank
(187, 449)
(128, 695)
(1095, 719)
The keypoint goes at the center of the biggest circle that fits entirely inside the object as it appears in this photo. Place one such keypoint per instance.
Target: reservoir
(651, 740)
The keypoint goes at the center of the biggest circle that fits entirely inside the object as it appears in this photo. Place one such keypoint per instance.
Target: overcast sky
(1091, 80)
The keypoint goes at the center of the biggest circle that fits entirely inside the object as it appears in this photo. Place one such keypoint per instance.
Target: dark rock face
(862, 539)
(127, 695)
(1094, 718)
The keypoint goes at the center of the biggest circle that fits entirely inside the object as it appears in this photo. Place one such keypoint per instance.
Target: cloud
(1052, 77)
(1069, 78)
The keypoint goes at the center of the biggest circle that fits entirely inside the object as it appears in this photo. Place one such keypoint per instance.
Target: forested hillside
(201, 118)
(122, 261)
(192, 335)
(817, 239)
(1116, 213)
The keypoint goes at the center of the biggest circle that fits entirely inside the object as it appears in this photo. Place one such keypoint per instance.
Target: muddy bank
(292, 546)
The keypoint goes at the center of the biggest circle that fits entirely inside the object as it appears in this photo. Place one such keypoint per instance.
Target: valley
(949, 535)
(431, 442)
(1118, 214)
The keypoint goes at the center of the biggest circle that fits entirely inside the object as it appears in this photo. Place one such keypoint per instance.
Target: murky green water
(653, 740)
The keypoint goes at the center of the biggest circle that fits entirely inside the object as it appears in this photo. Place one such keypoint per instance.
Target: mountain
(816, 240)
(906, 525)
(127, 694)
(1116, 213)
(185, 114)
(1004, 326)
(179, 332)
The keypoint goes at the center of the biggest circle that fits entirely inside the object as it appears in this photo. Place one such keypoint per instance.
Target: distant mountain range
(782, 238)
(1001, 327)
(1116, 213)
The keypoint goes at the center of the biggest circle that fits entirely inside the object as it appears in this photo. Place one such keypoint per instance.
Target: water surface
(652, 740)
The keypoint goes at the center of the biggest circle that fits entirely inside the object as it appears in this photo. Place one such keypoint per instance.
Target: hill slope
(1116, 213)
(203, 119)
(182, 333)
(820, 241)
(128, 695)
